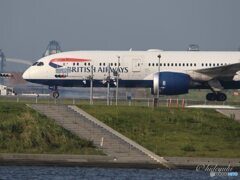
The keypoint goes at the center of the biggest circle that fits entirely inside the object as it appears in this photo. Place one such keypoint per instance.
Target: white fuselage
(133, 65)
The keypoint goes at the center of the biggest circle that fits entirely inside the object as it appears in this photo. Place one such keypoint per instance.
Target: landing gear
(211, 96)
(217, 96)
(55, 93)
(221, 97)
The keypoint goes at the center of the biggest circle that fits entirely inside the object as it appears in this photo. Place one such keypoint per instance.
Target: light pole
(159, 57)
(108, 86)
(117, 80)
(91, 86)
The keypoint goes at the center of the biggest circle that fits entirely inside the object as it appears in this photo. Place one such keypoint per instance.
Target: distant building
(6, 91)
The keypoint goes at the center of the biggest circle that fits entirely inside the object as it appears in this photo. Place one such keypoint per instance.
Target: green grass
(172, 131)
(23, 130)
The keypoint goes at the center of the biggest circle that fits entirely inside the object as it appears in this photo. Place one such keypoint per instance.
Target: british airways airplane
(165, 72)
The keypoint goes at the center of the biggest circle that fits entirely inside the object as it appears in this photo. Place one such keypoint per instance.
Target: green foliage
(188, 147)
(23, 130)
(174, 131)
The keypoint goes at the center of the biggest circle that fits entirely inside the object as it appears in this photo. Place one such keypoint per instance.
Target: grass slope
(23, 130)
(174, 132)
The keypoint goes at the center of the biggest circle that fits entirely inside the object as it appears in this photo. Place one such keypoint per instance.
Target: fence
(147, 102)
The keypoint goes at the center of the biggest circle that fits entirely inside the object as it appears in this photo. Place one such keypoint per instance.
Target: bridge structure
(2, 65)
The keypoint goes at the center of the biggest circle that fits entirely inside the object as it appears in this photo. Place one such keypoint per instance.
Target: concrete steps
(231, 113)
(110, 142)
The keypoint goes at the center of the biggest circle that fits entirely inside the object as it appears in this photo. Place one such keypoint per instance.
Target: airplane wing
(221, 72)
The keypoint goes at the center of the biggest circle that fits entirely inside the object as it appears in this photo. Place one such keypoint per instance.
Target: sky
(27, 26)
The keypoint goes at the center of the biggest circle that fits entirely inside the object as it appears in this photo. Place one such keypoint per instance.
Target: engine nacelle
(170, 83)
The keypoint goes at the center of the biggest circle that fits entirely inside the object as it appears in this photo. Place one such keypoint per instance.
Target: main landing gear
(55, 93)
(216, 96)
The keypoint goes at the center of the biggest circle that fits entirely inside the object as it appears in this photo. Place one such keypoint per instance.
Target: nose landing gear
(55, 93)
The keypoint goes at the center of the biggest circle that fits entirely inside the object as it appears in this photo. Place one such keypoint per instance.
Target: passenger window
(195, 64)
(85, 64)
(152, 64)
(164, 64)
(149, 64)
(179, 64)
(160, 64)
(183, 64)
(202, 64)
(175, 64)
(172, 64)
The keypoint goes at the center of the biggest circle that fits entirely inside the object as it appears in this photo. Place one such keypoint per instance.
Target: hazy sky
(28, 25)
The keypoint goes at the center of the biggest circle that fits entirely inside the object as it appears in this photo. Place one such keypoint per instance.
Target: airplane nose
(26, 75)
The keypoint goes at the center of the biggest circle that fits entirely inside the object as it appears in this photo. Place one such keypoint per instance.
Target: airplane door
(136, 65)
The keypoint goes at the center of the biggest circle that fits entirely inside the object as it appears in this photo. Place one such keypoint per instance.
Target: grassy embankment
(172, 131)
(23, 130)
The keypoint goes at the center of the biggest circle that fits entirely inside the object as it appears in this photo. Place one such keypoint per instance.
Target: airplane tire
(55, 94)
(221, 97)
(211, 97)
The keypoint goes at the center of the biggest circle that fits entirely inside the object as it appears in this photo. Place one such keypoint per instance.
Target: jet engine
(170, 83)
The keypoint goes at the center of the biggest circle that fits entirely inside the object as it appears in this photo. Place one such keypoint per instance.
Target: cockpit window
(40, 64)
(34, 63)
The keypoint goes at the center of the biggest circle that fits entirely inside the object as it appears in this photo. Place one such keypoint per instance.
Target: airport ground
(139, 98)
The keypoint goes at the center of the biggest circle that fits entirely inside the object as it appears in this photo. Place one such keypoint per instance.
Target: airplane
(165, 72)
